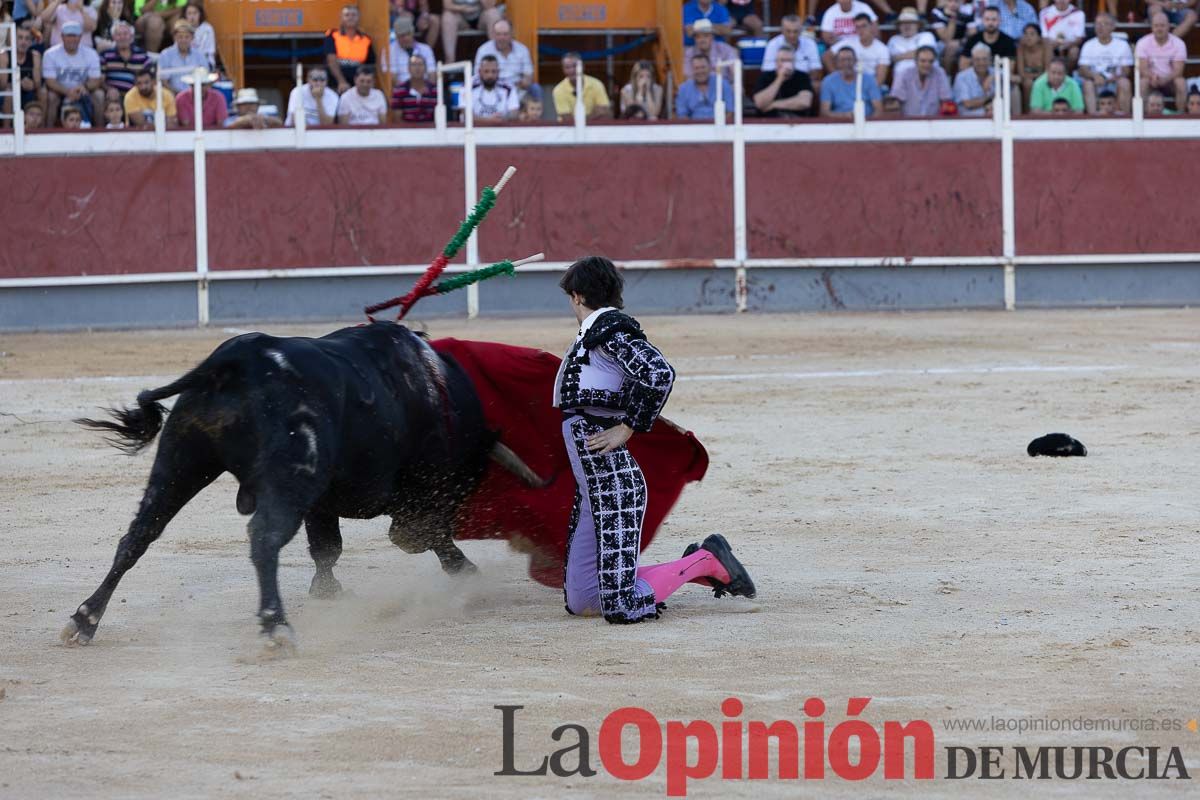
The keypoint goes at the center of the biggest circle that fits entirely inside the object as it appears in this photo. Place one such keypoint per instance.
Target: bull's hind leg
(273, 525)
(325, 547)
(182, 467)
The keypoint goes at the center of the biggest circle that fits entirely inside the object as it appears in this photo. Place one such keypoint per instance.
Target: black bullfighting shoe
(740, 583)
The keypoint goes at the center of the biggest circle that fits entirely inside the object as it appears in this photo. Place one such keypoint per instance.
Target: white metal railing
(8, 46)
(1002, 128)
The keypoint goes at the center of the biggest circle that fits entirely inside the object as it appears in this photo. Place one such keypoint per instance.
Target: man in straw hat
(245, 108)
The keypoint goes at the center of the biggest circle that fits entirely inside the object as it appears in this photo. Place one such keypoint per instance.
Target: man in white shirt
(492, 99)
(364, 104)
(807, 58)
(516, 65)
(872, 53)
(837, 23)
(72, 72)
(403, 47)
(318, 102)
(904, 43)
(1106, 62)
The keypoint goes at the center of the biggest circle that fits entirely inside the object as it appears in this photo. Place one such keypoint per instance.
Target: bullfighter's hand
(611, 439)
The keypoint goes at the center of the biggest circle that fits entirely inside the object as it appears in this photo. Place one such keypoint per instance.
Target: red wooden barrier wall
(843, 200)
(115, 214)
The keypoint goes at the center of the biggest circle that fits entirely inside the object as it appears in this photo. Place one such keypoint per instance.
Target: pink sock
(666, 578)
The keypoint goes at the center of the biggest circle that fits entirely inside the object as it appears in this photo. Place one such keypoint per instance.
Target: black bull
(362, 422)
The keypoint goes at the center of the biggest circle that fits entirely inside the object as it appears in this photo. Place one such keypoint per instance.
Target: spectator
(120, 64)
(716, 14)
(1106, 63)
(697, 96)
(1155, 104)
(595, 98)
(975, 88)
(493, 99)
(246, 114)
(643, 91)
(838, 88)
(1161, 57)
(314, 99)
(111, 12)
(516, 65)
(205, 38)
(531, 109)
(480, 14)
(1180, 13)
(60, 12)
(71, 71)
(1000, 43)
(180, 55)
(1032, 58)
(784, 91)
(904, 43)
(416, 98)
(1053, 85)
(706, 45)
(1106, 103)
(1060, 106)
(114, 116)
(743, 16)
(1014, 16)
(142, 100)
(347, 49)
(808, 59)
(35, 116)
(213, 111)
(1063, 28)
(29, 63)
(402, 49)
(837, 23)
(155, 18)
(635, 112)
(952, 23)
(921, 90)
(72, 118)
(365, 105)
(872, 53)
(1193, 103)
(427, 19)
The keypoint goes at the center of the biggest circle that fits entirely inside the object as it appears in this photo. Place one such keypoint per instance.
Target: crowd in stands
(95, 63)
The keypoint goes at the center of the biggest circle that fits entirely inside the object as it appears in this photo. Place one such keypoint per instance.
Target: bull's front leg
(325, 547)
(429, 533)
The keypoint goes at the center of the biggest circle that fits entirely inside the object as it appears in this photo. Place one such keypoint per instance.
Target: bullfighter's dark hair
(597, 280)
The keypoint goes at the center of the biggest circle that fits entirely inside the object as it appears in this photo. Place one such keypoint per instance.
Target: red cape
(515, 386)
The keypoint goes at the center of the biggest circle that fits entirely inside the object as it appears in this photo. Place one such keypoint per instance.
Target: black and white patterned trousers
(606, 531)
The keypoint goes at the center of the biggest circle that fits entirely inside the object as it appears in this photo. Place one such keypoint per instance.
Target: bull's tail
(137, 427)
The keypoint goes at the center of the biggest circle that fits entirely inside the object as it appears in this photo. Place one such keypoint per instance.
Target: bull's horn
(505, 457)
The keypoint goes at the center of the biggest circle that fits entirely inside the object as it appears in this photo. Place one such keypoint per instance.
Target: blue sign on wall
(582, 12)
(278, 18)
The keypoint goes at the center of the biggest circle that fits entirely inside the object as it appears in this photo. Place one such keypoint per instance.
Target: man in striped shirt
(415, 99)
(120, 65)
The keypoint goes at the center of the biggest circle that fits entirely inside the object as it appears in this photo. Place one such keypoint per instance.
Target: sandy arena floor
(869, 469)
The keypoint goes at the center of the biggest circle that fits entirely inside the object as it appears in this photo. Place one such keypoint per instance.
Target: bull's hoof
(77, 633)
(460, 568)
(280, 642)
(325, 587)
